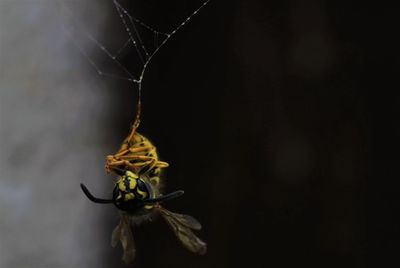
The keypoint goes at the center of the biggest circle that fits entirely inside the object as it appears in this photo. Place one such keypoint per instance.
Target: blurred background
(269, 113)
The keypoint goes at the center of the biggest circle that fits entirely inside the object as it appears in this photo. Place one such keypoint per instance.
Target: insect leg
(140, 149)
(110, 165)
(136, 157)
(162, 164)
(135, 124)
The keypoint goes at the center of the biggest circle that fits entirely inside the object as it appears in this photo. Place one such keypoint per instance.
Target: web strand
(121, 49)
(120, 8)
(128, 30)
(145, 55)
(169, 36)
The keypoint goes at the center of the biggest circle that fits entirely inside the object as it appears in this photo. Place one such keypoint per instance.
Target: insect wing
(183, 219)
(123, 233)
(182, 225)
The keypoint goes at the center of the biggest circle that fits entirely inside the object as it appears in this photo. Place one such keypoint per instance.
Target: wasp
(138, 194)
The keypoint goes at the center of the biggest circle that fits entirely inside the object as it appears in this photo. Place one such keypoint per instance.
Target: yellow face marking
(148, 206)
(121, 185)
(130, 174)
(129, 196)
(132, 184)
(127, 182)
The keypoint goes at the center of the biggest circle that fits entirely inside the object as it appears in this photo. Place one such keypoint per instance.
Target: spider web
(134, 30)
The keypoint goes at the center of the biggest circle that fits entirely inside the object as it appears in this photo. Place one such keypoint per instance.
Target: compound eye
(141, 185)
(142, 189)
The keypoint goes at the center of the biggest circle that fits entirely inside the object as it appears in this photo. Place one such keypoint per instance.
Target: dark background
(279, 123)
(278, 118)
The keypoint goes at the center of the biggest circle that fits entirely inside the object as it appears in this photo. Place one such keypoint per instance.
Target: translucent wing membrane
(182, 225)
(123, 233)
(183, 219)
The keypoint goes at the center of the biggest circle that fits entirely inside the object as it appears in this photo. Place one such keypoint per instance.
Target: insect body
(138, 195)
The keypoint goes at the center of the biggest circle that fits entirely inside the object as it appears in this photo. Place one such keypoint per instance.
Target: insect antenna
(95, 199)
(119, 171)
(164, 197)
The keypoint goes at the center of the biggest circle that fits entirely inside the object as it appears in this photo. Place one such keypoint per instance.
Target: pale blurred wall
(53, 112)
